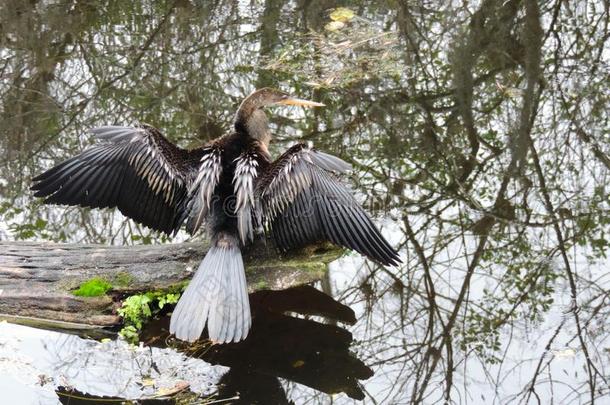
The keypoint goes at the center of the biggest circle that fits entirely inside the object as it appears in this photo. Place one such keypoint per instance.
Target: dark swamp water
(479, 133)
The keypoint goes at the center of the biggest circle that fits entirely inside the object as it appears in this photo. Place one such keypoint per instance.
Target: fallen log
(38, 280)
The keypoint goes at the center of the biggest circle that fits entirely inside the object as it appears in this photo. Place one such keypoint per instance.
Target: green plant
(93, 288)
(137, 309)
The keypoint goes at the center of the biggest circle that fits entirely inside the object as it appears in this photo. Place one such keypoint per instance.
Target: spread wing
(135, 169)
(303, 202)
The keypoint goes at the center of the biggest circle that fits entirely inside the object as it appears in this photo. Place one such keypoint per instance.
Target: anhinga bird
(232, 184)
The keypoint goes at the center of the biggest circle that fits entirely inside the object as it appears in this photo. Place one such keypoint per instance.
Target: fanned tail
(217, 294)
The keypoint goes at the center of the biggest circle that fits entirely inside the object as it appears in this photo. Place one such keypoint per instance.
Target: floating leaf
(564, 353)
(164, 392)
(342, 14)
(148, 382)
(334, 26)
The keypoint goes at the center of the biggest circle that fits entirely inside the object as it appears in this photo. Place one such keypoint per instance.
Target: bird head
(251, 118)
(268, 97)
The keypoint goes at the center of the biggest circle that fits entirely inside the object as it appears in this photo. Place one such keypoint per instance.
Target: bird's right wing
(135, 169)
(303, 202)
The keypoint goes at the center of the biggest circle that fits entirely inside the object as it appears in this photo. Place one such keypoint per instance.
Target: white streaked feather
(202, 189)
(246, 171)
(147, 160)
(295, 176)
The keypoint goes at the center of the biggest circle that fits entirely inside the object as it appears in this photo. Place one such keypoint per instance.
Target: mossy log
(38, 280)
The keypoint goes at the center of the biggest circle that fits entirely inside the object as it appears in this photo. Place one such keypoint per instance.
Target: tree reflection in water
(479, 134)
(302, 350)
(305, 351)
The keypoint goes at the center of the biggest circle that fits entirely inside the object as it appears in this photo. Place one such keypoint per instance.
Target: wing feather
(303, 202)
(133, 168)
(246, 172)
(202, 189)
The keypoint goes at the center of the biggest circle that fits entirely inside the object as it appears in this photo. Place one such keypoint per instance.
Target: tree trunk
(37, 280)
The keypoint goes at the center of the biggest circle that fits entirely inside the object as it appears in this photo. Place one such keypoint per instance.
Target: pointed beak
(300, 102)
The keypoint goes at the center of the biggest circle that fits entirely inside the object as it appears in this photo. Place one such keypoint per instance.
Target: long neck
(252, 122)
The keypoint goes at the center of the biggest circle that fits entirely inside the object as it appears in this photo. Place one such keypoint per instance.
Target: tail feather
(217, 295)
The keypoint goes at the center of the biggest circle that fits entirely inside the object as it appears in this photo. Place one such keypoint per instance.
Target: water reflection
(304, 350)
(479, 130)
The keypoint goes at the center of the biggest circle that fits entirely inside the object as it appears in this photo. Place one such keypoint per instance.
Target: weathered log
(37, 280)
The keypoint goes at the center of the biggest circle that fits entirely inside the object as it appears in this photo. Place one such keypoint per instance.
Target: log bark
(37, 280)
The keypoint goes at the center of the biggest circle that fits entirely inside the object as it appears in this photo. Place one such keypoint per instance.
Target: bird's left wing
(133, 168)
(303, 202)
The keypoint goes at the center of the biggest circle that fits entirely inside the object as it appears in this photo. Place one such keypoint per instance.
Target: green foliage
(168, 299)
(93, 288)
(22, 230)
(130, 333)
(143, 239)
(481, 333)
(137, 309)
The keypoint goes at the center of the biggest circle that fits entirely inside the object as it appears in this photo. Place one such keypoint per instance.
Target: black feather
(319, 207)
(134, 169)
